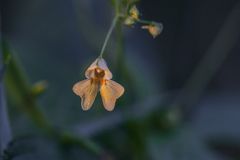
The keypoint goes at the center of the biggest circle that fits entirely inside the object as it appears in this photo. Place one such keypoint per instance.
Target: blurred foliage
(143, 126)
(21, 93)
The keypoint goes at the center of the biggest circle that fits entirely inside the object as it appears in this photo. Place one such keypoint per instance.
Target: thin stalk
(144, 21)
(114, 22)
(149, 22)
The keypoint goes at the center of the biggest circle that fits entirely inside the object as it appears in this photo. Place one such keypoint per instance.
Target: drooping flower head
(98, 79)
(154, 29)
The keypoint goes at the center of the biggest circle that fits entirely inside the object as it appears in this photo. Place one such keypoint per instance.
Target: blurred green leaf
(21, 92)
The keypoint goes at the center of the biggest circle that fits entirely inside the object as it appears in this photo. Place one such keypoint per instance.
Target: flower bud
(154, 29)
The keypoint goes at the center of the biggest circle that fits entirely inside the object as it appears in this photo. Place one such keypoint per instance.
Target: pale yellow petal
(98, 63)
(87, 90)
(110, 92)
(90, 71)
(103, 65)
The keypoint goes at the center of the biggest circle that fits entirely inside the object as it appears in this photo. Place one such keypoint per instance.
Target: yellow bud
(134, 13)
(132, 17)
(129, 21)
(154, 29)
(39, 88)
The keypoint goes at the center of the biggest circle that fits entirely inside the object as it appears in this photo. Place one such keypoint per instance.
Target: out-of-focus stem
(5, 131)
(20, 92)
(225, 41)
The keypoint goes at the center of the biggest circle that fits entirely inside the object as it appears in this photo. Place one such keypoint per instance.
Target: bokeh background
(182, 88)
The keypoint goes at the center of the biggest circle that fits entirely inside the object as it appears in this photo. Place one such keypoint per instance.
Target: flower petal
(110, 92)
(90, 71)
(98, 63)
(87, 90)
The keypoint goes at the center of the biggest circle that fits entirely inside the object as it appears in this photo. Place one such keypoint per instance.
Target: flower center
(99, 73)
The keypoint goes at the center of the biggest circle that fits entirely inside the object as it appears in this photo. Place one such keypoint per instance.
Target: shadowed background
(182, 88)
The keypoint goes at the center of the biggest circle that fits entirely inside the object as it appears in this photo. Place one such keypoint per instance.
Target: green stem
(20, 92)
(144, 21)
(114, 22)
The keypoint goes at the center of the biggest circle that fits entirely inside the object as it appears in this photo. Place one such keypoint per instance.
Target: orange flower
(154, 29)
(98, 78)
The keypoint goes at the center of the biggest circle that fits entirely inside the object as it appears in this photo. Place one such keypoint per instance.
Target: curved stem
(114, 22)
(144, 21)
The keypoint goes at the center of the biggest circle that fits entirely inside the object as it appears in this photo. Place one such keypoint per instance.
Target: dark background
(182, 88)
